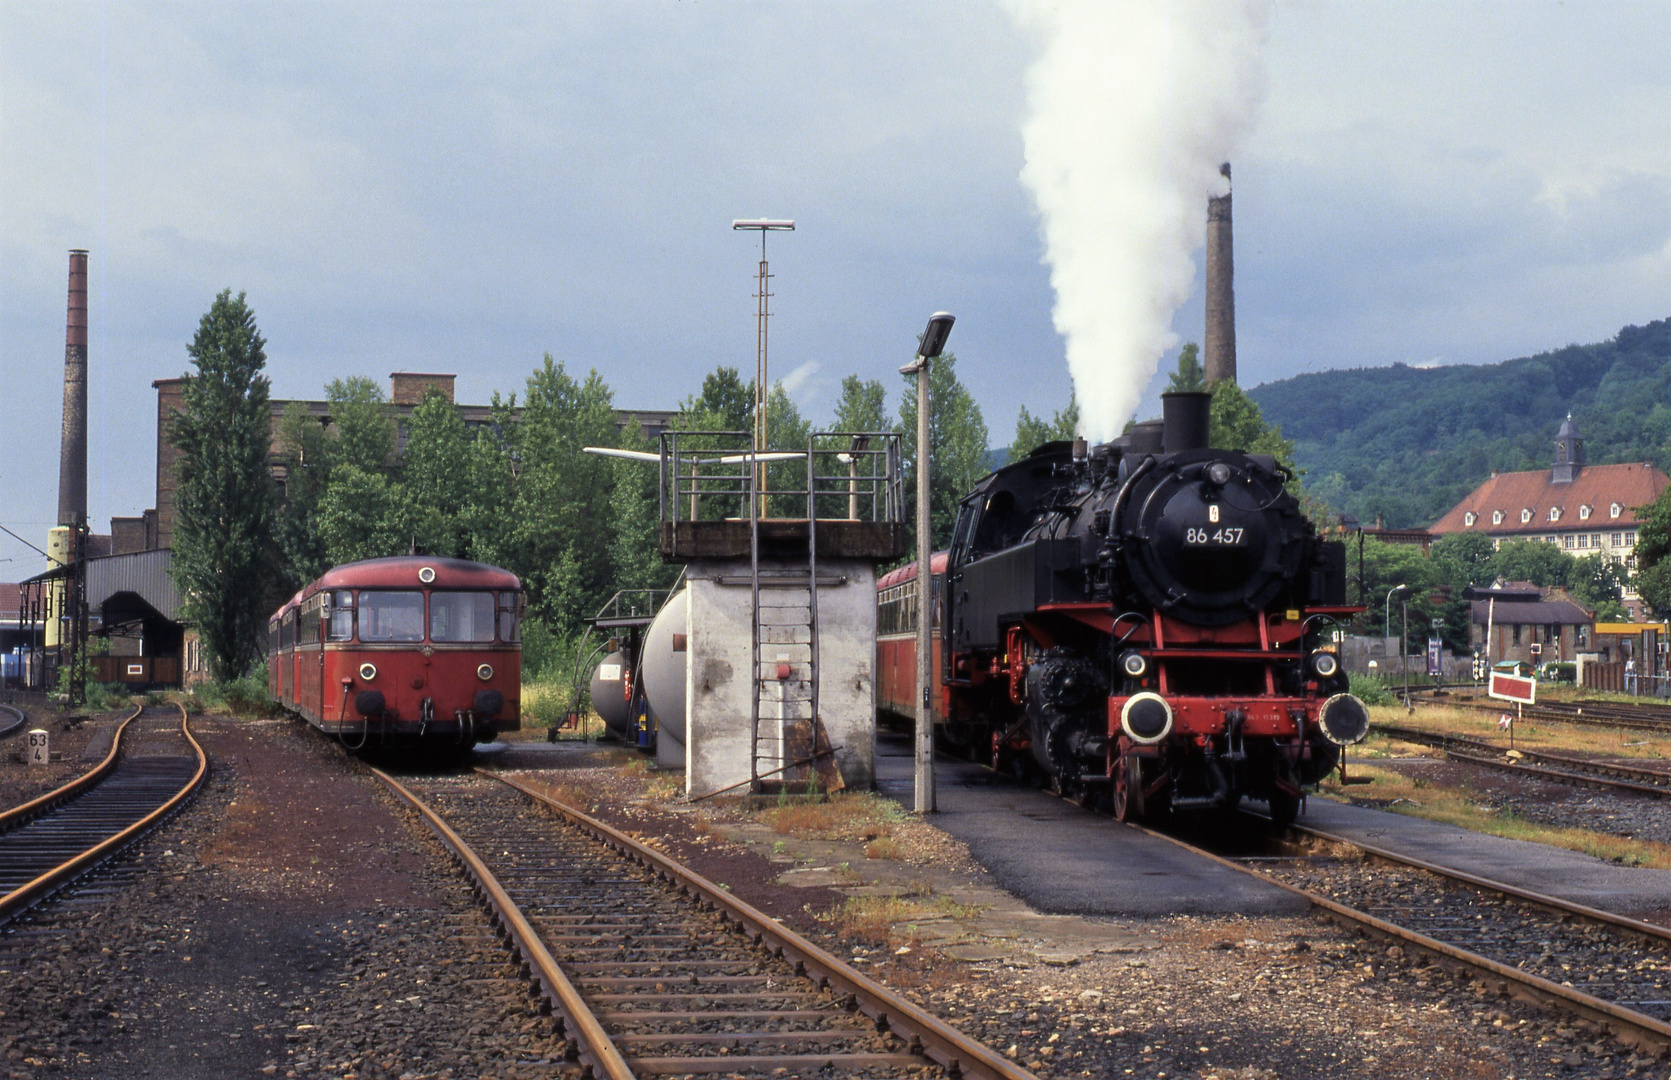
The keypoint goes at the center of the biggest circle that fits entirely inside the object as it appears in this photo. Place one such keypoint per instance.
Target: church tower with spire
(1569, 452)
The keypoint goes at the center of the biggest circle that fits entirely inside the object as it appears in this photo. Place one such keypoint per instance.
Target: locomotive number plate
(1224, 537)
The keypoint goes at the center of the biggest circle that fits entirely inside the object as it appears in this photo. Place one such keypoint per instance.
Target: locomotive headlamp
(1146, 718)
(1218, 473)
(368, 672)
(1344, 720)
(1325, 664)
(485, 672)
(1134, 664)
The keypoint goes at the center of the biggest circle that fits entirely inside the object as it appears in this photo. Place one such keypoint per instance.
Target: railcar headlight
(1325, 664)
(1344, 720)
(368, 672)
(1146, 718)
(1134, 664)
(485, 672)
(427, 574)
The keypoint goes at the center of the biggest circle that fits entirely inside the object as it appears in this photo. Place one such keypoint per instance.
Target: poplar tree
(224, 553)
(435, 470)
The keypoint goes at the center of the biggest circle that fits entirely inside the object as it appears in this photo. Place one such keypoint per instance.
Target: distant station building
(1516, 620)
(1583, 509)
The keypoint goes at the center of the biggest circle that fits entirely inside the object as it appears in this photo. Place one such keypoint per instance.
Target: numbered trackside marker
(40, 749)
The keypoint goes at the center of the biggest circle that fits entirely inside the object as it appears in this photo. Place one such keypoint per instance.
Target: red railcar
(398, 649)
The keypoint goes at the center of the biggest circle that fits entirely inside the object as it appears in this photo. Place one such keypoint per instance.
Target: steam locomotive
(1147, 621)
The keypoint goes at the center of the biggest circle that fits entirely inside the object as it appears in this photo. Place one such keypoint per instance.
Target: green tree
(1031, 431)
(726, 403)
(304, 453)
(957, 439)
(1598, 583)
(634, 507)
(363, 429)
(555, 532)
(364, 515)
(1533, 560)
(1464, 560)
(863, 406)
(435, 472)
(224, 552)
(1190, 376)
(1237, 424)
(1653, 584)
(1653, 533)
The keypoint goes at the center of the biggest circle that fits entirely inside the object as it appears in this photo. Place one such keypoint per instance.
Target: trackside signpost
(1519, 689)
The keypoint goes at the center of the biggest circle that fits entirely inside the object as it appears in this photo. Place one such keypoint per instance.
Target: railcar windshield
(341, 607)
(461, 616)
(391, 616)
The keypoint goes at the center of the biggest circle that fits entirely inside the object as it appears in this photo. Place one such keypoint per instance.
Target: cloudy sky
(466, 187)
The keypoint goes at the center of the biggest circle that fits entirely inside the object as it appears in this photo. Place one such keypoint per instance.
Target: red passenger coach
(896, 639)
(402, 649)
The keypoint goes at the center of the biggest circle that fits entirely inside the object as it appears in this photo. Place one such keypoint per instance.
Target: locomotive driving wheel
(1128, 788)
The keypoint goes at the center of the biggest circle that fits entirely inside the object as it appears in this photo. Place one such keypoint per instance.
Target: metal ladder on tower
(786, 732)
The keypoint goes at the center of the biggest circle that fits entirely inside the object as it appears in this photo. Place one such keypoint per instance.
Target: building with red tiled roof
(1584, 509)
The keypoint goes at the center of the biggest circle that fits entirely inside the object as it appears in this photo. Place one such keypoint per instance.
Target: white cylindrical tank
(609, 695)
(663, 669)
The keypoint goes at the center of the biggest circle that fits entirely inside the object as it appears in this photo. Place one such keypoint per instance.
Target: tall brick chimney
(1219, 351)
(72, 454)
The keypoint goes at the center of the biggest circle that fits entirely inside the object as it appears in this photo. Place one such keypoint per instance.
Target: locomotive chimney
(1186, 420)
(72, 457)
(1219, 360)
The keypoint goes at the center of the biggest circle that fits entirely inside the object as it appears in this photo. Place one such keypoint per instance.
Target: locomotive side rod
(960, 1055)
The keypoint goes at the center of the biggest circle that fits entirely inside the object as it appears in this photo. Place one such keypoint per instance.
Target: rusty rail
(595, 1048)
(27, 894)
(960, 1055)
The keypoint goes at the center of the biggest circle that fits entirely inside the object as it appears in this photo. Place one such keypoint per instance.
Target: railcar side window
(341, 626)
(461, 616)
(391, 616)
(510, 627)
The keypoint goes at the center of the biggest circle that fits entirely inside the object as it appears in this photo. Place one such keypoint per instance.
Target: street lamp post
(933, 344)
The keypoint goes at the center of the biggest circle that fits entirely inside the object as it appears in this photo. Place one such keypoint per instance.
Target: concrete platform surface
(1570, 875)
(1065, 860)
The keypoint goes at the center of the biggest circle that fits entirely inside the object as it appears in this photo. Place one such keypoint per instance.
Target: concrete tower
(1219, 351)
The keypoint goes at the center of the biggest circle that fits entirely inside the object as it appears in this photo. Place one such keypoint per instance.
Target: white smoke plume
(1133, 104)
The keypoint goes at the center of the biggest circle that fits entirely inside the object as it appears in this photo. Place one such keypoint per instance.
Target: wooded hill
(1408, 443)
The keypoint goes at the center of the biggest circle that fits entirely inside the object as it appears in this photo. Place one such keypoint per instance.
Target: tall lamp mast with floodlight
(932, 345)
(763, 312)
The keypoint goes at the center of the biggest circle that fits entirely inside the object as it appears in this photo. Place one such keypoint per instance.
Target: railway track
(1611, 971)
(153, 767)
(1559, 768)
(11, 720)
(650, 969)
(1590, 714)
